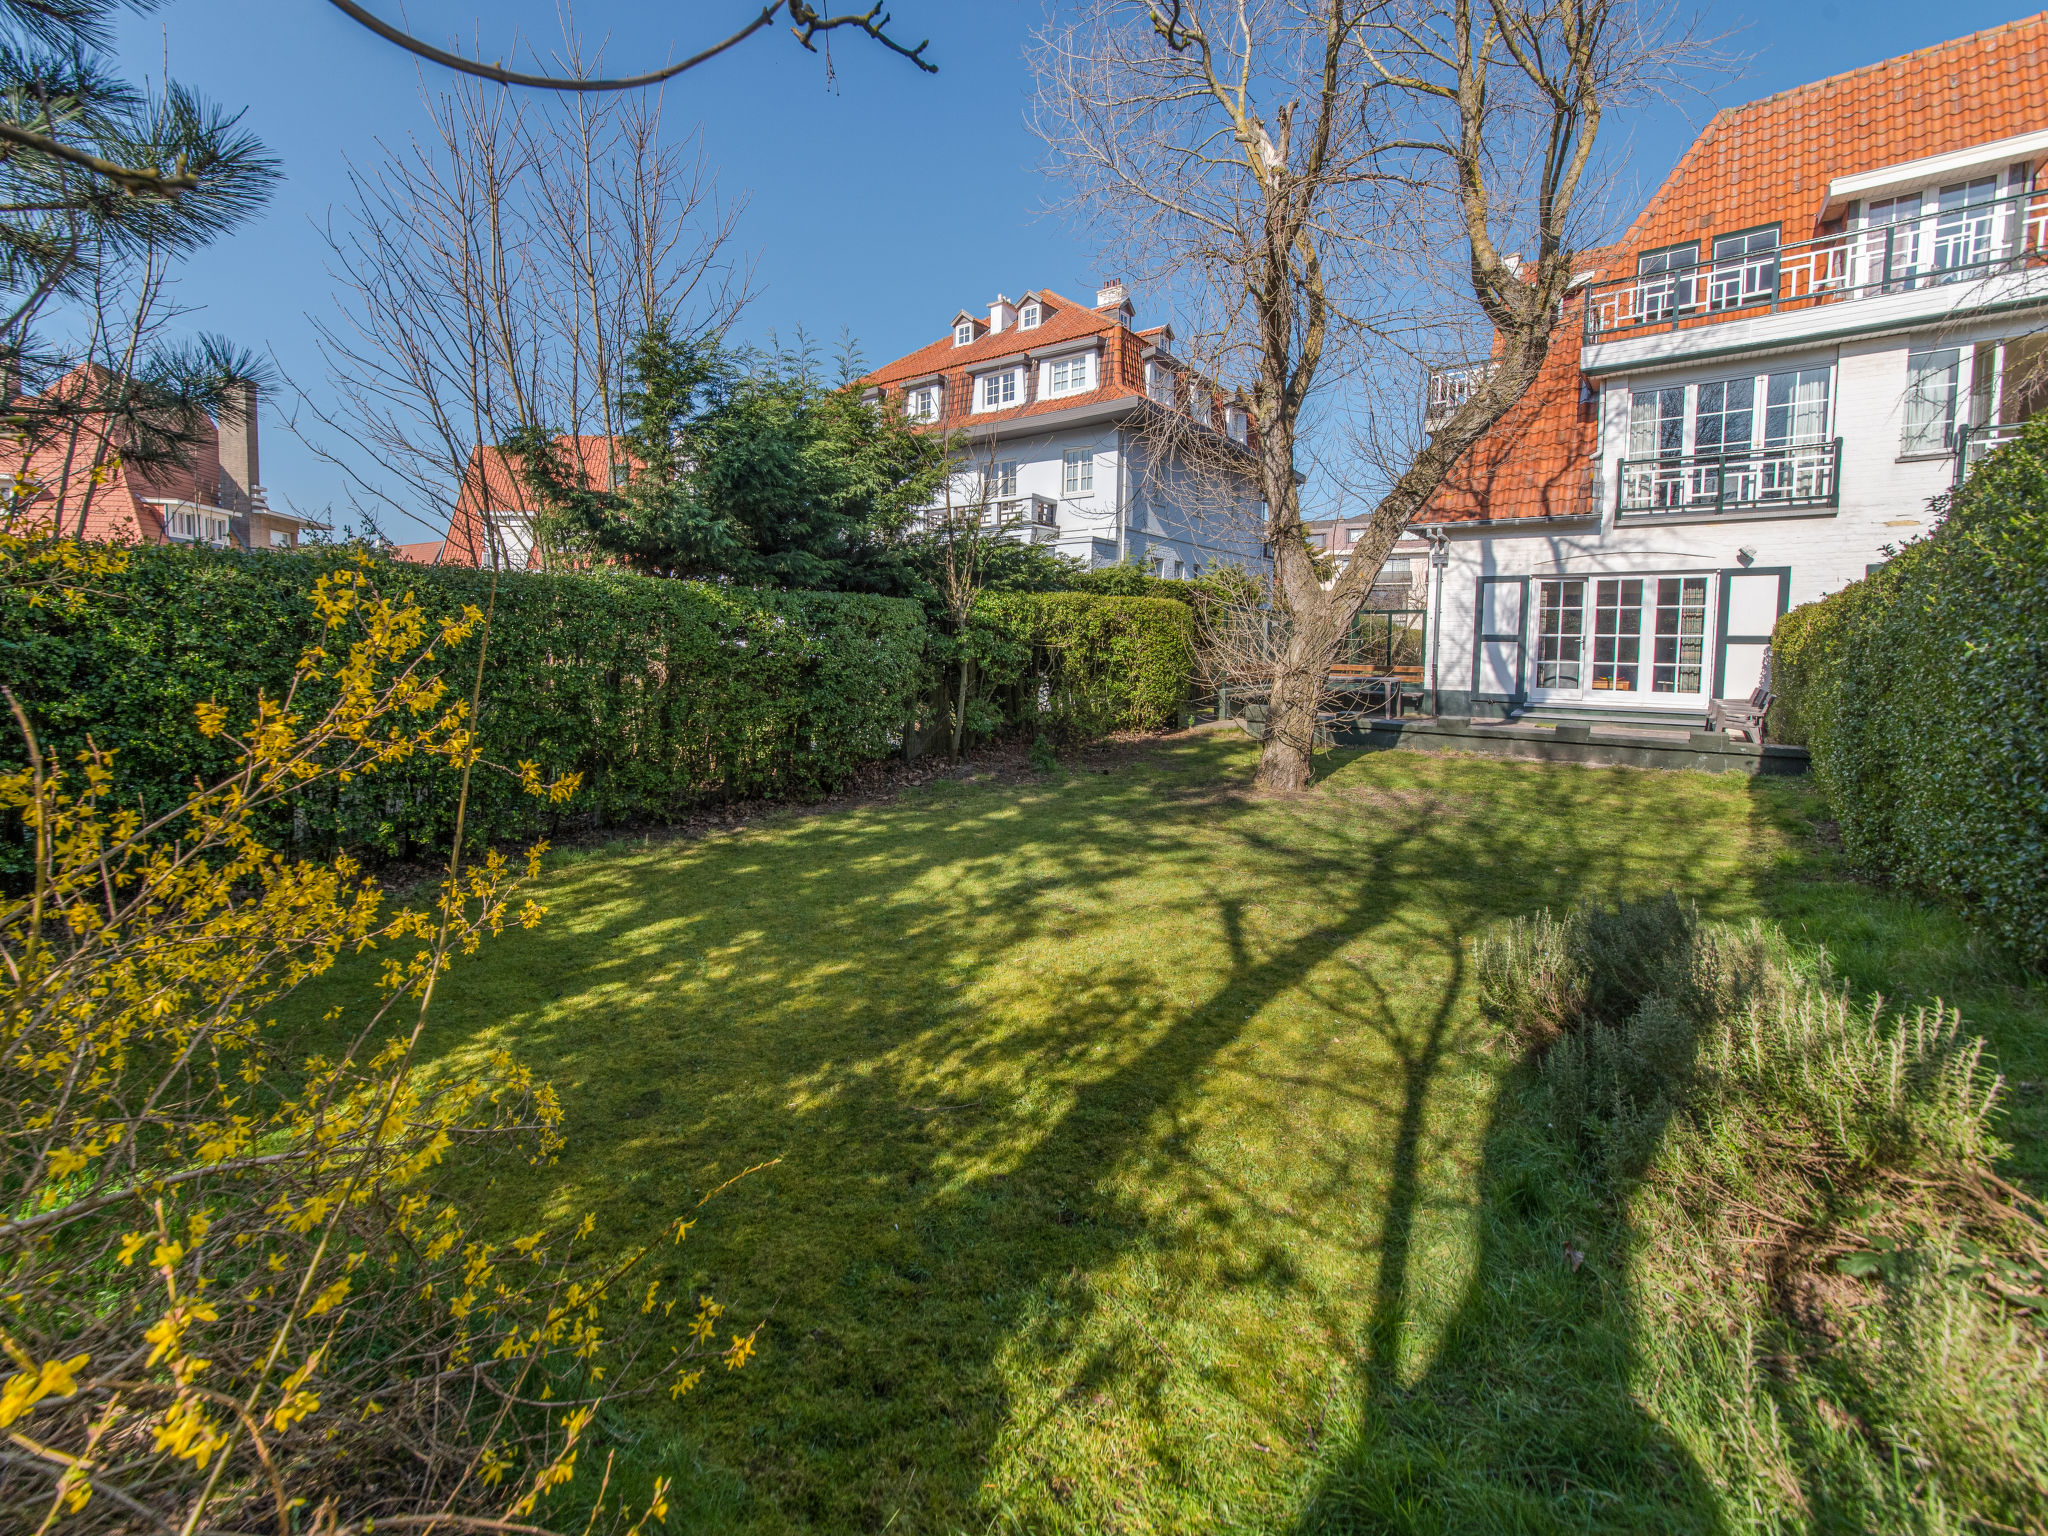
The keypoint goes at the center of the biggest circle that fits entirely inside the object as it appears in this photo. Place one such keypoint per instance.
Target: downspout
(1123, 542)
(1439, 569)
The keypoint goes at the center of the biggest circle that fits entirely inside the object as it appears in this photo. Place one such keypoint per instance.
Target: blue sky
(882, 200)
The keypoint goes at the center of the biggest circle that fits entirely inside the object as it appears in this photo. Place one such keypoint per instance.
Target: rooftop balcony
(1450, 387)
(1928, 262)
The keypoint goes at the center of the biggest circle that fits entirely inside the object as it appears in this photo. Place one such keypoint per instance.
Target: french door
(1615, 639)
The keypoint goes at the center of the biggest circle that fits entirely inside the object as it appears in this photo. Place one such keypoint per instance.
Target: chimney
(237, 428)
(1002, 314)
(1113, 295)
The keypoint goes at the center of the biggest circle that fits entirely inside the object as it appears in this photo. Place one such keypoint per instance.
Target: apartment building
(1836, 301)
(1077, 430)
(83, 484)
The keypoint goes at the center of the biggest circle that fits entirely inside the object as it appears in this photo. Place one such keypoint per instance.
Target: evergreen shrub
(1922, 693)
(662, 694)
(1092, 664)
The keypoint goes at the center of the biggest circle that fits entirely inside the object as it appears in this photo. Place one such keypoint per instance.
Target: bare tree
(1293, 170)
(491, 275)
(969, 524)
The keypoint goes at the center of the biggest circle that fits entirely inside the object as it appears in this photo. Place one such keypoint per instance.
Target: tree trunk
(960, 711)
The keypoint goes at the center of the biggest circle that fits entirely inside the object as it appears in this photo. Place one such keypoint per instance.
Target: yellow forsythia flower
(24, 1389)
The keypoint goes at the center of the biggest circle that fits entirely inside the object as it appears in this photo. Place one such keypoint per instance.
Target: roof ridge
(2035, 20)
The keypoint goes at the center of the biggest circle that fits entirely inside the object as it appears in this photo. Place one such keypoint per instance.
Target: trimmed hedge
(1922, 693)
(1092, 664)
(663, 694)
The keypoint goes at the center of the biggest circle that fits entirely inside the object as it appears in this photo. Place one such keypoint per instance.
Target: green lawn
(1131, 1127)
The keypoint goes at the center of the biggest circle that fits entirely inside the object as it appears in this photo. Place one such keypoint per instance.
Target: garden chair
(1748, 716)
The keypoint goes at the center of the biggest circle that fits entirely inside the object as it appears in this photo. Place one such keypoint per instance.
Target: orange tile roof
(1768, 162)
(1122, 373)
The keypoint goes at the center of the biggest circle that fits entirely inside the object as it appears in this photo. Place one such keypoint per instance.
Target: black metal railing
(1940, 246)
(1753, 480)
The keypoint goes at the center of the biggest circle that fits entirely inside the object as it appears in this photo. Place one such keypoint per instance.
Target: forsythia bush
(1092, 664)
(1922, 693)
(232, 1296)
(659, 694)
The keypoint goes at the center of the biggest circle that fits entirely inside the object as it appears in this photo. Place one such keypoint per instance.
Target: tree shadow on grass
(1010, 1044)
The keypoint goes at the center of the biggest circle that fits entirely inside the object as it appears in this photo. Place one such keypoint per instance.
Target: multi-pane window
(1237, 424)
(963, 333)
(1724, 415)
(1796, 407)
(1560, 633)
(1617, 633)
(1685, 441)
(1159, 383)
(922, 403)
(1745, 269)
(1656, 423)
(1681, 640)
(1963, 227)
(1932, 378)
(1198, 405)
(1602, 650)
(1005, 477)
(1068, 375)
(998, 389)
(1028, 317)
(1080, 472)
(1665, 281)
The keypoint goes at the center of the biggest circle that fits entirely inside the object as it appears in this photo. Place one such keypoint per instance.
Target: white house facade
(1064, 419)
(1836, 303)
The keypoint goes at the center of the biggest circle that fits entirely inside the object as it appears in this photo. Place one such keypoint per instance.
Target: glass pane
(1617, 634)
(1560, 633)
(1680, 646)
(1931, 379)
(1962, 232)
(1723, 421)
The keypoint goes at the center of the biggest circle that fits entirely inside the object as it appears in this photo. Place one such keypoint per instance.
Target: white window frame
(1077, 473)
(1646, 663)
(1029, 316)
(1000, 390)
(1767, 471)
(963, 334)
(1075, 374)
(924, 402)
(1004, 477)
(1237, 424)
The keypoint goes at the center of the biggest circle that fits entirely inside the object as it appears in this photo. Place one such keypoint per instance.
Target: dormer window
(922, 403)
(1029, 316)
(1159, 383)
(963, 334)
(1069, 375)
(1235, 423)
(999, 390)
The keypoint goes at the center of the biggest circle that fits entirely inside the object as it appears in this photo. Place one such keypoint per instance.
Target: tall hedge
(1922, 693)
(663, 694)
(1092, 664)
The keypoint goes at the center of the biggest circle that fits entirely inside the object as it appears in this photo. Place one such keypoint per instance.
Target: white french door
(1622, 640)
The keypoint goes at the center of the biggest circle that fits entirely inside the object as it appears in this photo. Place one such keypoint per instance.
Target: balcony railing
(1973, 444)
(1451, 387)
(1755, 480)
(1941, 246)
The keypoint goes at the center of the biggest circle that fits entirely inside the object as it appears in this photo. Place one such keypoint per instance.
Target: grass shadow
(1123, 1116)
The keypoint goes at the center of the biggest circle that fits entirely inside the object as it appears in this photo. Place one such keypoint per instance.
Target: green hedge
(663, 694)
(1089, 664)
(1922, 693)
